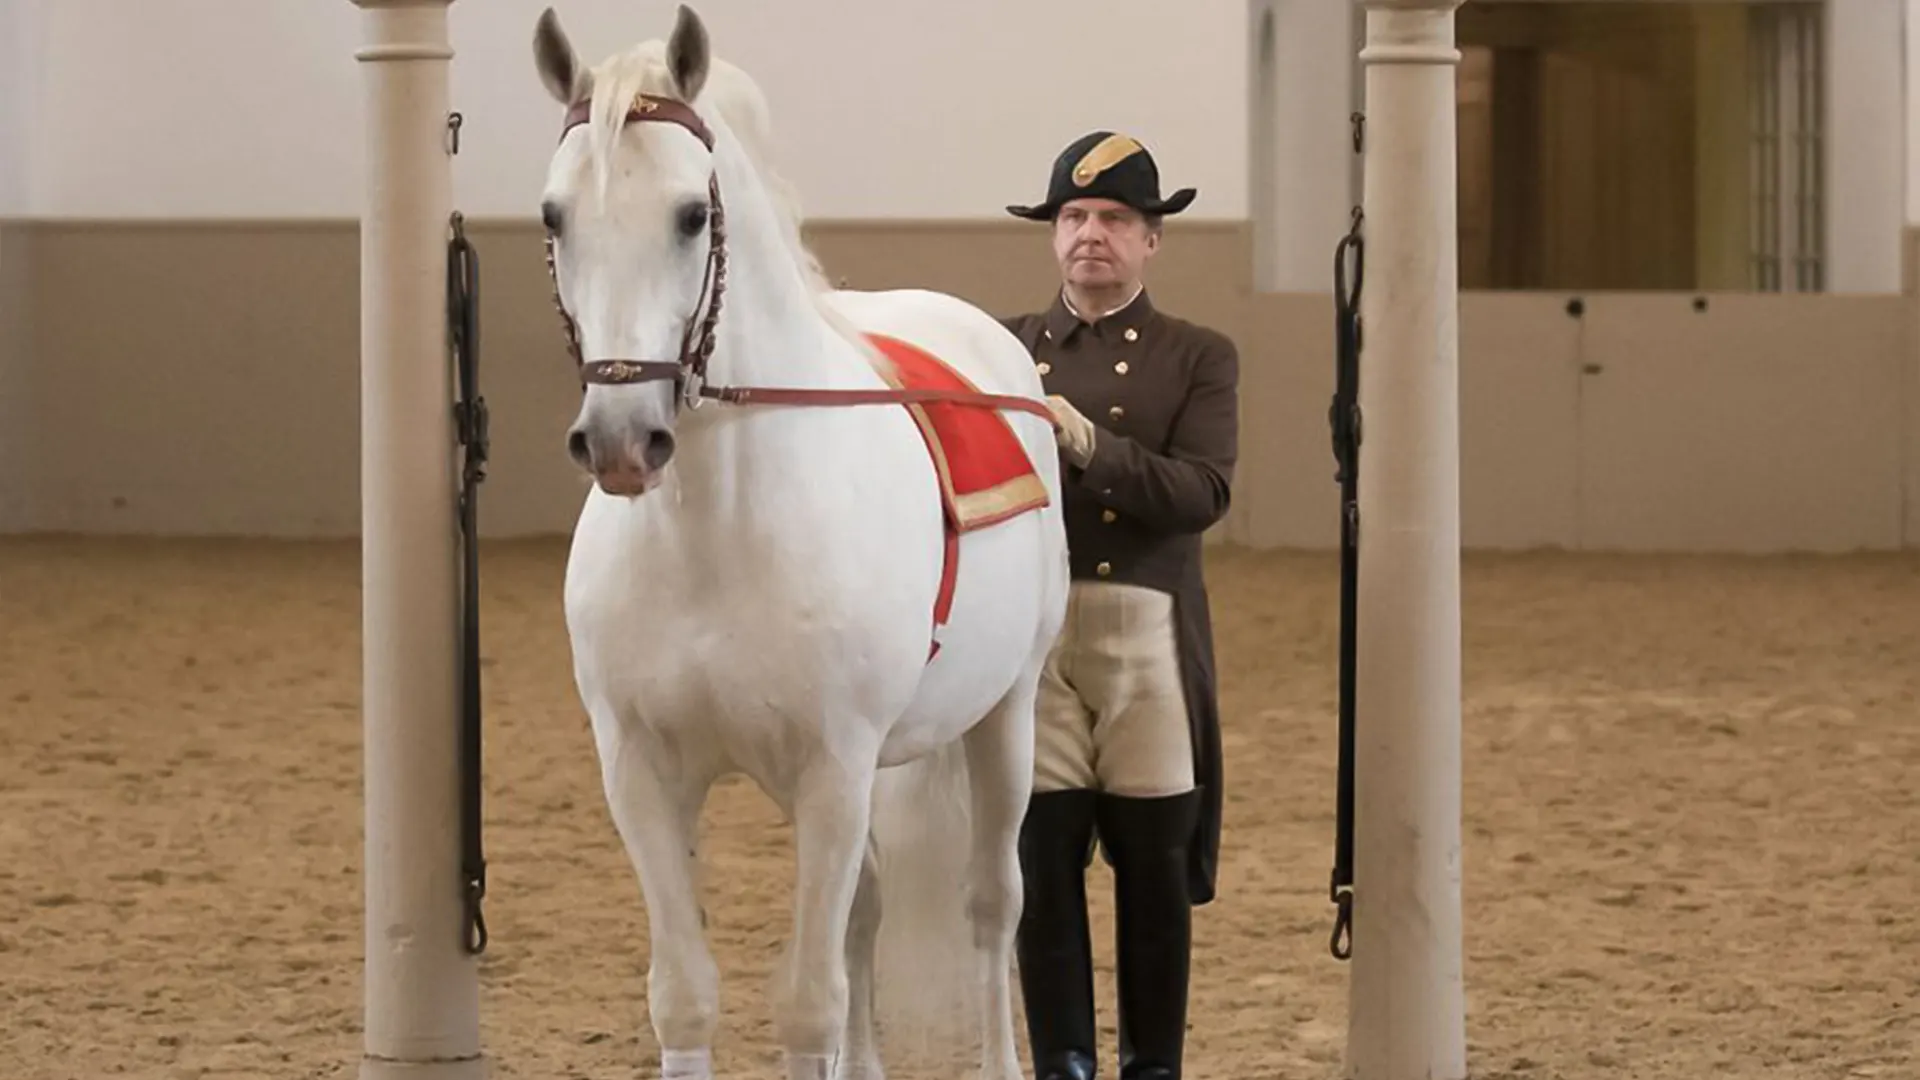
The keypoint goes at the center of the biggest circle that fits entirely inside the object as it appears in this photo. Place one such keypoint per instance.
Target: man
(1128, 740)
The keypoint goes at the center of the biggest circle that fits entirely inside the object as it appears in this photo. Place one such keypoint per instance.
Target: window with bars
(1615, 144)
(1787, 227)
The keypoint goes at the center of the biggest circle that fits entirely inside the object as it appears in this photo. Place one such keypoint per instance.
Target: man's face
(1100, 243)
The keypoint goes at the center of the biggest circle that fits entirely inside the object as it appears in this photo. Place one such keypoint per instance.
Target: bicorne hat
(1105, 165)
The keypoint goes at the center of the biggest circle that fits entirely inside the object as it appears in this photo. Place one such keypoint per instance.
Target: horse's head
(636, 243)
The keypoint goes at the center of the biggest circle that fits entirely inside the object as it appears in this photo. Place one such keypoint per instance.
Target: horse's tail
(927, 973)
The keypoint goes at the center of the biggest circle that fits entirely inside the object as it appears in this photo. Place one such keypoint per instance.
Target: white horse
(751, 585)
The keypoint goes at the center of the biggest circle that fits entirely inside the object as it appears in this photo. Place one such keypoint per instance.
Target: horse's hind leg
(860, 1052)
(1000, 773)
(657, 814)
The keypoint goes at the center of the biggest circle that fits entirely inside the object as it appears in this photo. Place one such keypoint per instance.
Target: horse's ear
(561, 71)
(688, 54)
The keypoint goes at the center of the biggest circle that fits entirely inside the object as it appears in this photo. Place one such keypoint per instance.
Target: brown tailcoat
(1163, 395)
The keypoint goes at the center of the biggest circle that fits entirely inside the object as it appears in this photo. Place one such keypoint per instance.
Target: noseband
(689, 370)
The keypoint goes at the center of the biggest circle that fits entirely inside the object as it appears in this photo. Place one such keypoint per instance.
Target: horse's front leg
(831, 808)
(657, 810)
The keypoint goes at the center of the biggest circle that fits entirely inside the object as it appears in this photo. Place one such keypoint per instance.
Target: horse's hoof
(868, 1069)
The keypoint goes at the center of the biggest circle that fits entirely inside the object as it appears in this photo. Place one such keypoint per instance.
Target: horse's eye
(693, 218)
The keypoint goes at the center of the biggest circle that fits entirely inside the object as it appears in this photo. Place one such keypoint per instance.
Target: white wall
(883, 109)
(19, 71)
(1910, 78)
(1302, 63)
(1867, 59)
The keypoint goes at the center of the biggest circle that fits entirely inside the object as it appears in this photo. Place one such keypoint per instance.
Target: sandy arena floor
(1692, 846)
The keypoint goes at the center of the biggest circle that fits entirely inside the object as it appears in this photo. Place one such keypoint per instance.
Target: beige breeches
(1111, 716)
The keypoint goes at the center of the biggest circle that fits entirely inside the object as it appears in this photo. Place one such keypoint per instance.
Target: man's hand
(1074, 432)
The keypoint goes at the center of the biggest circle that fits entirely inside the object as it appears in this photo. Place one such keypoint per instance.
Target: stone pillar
(1406, 1018)
(422, 988)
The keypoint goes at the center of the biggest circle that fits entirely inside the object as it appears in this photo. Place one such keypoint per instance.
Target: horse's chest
(726, 636)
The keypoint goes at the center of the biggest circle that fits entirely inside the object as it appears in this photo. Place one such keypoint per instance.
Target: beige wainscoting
(203, 378)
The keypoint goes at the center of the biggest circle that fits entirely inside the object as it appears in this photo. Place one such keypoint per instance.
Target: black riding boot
(1146, 841)
(1055, 947)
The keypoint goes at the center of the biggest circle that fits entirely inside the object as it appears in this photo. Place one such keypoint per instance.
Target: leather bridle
(689, 370)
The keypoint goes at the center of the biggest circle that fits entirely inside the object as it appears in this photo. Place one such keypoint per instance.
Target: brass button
(1109, 516)
(1121, 367)
(1116, 412)
(1132, 334)
(1104, 569)
(1043, 367)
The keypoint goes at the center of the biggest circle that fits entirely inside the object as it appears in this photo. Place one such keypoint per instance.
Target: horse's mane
(740, 106)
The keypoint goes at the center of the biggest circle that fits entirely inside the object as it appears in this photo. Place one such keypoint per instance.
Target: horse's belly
(1008, 604)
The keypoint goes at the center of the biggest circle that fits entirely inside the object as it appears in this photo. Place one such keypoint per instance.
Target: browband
(646, 107)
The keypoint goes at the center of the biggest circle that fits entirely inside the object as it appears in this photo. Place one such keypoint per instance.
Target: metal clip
(454, 120)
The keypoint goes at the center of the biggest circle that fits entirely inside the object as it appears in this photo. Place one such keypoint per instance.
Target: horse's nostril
(577, 448)
(659, 450)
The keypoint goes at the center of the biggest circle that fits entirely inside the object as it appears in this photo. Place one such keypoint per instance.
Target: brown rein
(689, 371)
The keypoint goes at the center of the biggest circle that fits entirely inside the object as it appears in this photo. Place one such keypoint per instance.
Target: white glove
(1074, 433)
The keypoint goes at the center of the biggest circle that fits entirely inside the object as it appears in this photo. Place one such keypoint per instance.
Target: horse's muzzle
(626, 463)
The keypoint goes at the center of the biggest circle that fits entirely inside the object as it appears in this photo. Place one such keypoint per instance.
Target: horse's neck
(742, 466)
(772, 333)
(772, 329)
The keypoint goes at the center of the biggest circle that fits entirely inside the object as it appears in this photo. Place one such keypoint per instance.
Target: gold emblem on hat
(1109, 152)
